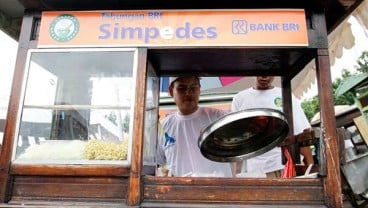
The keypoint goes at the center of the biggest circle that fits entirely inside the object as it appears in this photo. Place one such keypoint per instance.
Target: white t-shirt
(271, 98)
(178, 145)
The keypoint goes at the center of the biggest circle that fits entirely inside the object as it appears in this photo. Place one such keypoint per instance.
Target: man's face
(186, 91)
(264, 82)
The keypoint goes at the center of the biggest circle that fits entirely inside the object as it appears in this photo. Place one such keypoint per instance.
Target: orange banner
(184, 28)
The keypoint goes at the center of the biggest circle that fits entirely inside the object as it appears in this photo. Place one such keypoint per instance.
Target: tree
(126, 123)
(348, 97)
(363, 62)
(112, 118)
(311, 106)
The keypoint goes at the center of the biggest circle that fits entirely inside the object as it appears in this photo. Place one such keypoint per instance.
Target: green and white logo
(278, 102)
(64, 28)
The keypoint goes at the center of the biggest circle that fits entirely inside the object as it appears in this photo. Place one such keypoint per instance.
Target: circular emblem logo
(64, 28)
(278, 102)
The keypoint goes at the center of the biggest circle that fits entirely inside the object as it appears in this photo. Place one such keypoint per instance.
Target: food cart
(82, 120)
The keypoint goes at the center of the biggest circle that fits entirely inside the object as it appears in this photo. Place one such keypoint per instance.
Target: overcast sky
(349, 59)
(8, 51)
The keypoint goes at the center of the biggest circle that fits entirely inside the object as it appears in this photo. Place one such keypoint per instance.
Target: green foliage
(126, 123)
(311, 106)
(112, 117)
(348, 97)
(363, 62)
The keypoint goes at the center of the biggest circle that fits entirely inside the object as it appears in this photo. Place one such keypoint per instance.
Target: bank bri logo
(243, 27)
(239, 27)
(64, 28)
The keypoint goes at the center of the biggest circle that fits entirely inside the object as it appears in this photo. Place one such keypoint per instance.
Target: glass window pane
(77, 107)
(151, 117)
(8, 51)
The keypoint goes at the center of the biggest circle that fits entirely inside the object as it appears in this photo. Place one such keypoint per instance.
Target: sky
(8, 52)
(350, 56)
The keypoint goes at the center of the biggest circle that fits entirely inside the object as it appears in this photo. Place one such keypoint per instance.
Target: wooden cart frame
(112, 185)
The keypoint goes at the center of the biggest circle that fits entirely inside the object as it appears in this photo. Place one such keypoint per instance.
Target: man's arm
(307, 153)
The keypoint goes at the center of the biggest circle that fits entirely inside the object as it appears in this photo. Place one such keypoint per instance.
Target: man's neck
(264, 88)
(184, 113)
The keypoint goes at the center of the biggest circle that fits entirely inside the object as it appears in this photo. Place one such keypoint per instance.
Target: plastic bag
(289, 169)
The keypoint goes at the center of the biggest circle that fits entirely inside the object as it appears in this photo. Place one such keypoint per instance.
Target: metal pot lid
(243, 135)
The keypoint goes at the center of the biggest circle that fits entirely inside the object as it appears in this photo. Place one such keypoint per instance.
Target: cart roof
(11, 11)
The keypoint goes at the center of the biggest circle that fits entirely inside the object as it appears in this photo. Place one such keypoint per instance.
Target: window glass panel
(151, 117)
(77, 107)
(8, 51)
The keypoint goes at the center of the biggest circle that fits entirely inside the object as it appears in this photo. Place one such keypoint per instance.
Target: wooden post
(13, 108)
(288, 111)
(135, 188)
(332, 182)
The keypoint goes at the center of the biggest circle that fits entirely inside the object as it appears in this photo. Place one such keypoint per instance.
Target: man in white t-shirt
(265, 95)
(177, 148)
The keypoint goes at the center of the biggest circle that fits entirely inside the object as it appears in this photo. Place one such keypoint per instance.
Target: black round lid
(243, 134)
